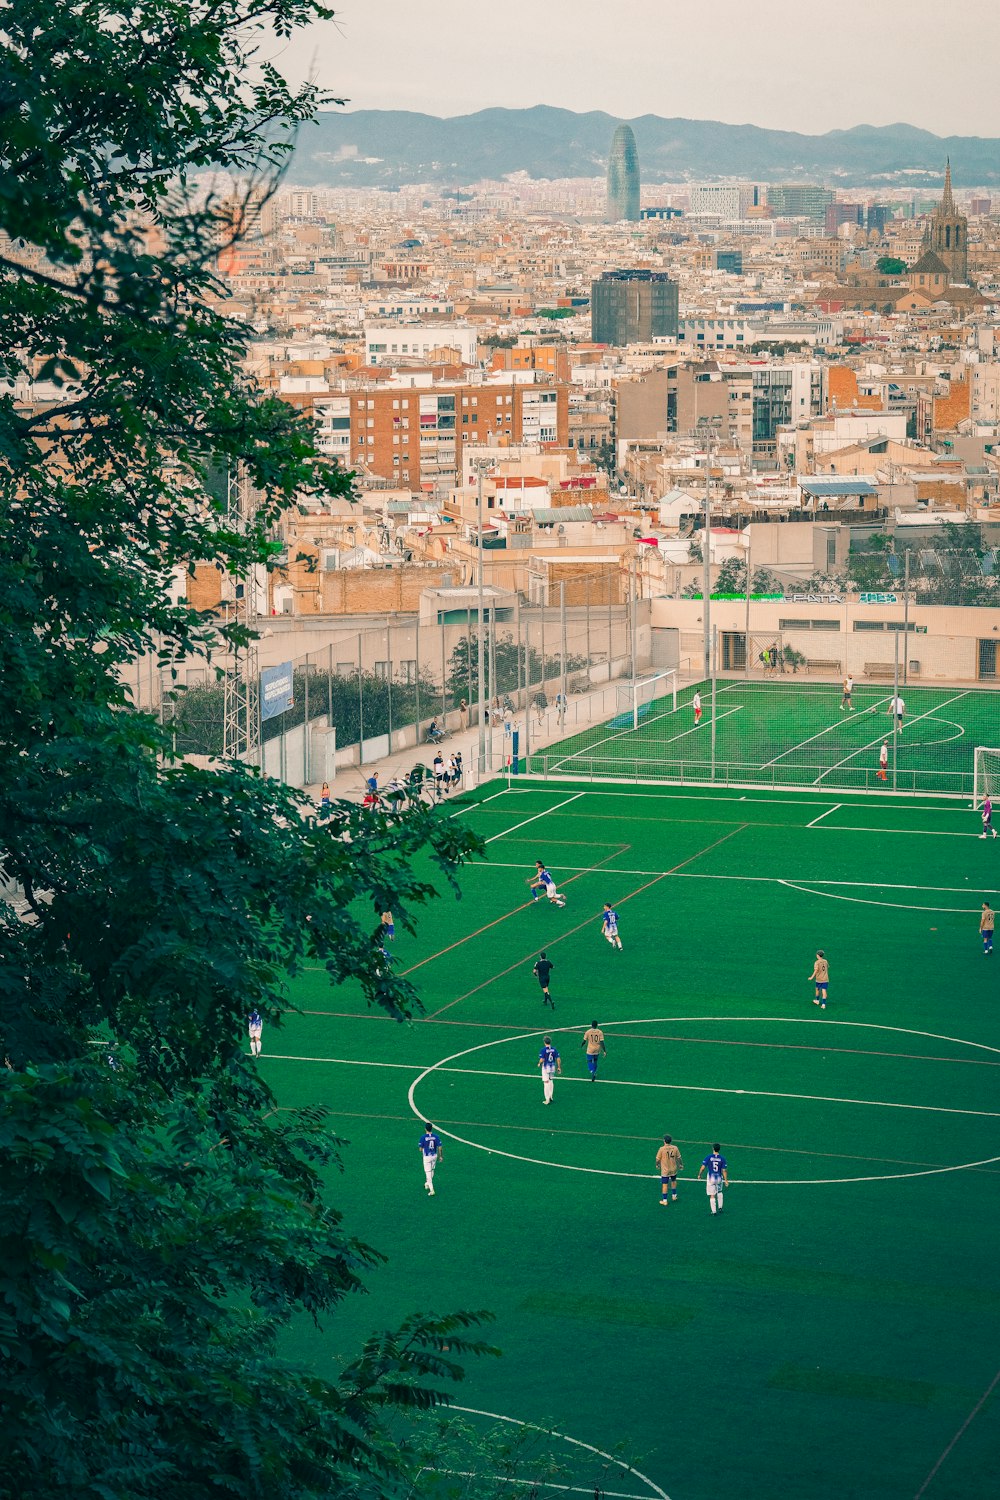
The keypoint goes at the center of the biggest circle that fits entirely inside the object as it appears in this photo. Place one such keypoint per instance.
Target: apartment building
(414, 434)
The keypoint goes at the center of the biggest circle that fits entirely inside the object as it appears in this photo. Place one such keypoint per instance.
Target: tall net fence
(381, 689)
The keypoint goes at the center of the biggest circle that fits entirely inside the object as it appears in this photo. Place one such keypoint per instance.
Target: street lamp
(482, 466)
(707, 426)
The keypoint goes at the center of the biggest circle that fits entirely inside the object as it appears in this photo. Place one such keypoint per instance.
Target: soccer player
(715, 1166)
(432, 1150)
(542, 970)
(845, 701)
(883, 761)
(550, 1063)
(696, 705)
(542, 881)
(821, 978)
(255, 1029)
(668, 1159)
(986, 923)
(988, 819)
(897, 707)
(609, 926)
(593, 1040)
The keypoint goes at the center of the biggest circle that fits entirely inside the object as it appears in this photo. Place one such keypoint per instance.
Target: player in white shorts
(542, 881)
(432, 1150)
(715, 1166)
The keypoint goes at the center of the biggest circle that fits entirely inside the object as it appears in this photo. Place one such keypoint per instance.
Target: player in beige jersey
(821, 977)
(986, 925)
(593, 1040)
(668, 1159)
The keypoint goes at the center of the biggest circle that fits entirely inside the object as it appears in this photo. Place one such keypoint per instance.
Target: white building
(730, 199)
(386, 342)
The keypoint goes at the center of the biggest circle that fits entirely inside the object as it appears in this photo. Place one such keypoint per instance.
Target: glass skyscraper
(623, 177)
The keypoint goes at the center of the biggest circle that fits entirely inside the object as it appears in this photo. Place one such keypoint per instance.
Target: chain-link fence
(381, 689)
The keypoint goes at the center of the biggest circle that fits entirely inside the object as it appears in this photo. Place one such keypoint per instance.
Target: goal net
(637, 699)
(985, 775)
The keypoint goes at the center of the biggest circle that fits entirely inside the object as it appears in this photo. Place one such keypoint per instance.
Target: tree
(162, 1222)
(891, 265)
(515, 665)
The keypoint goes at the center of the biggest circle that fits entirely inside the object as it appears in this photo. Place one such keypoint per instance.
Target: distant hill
(386, 148)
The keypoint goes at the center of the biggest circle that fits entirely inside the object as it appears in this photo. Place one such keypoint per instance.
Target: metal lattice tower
(241, 708)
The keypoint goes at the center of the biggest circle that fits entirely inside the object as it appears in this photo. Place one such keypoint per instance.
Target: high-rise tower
(623, 177)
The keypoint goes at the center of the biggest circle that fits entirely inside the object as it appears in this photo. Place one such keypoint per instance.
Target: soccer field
(788, 733)
(834, 1332)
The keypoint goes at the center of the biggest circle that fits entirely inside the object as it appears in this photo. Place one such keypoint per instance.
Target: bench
(882, 669)
(815, 664)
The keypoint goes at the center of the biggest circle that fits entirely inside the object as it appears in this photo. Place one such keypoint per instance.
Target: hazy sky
(777, 63)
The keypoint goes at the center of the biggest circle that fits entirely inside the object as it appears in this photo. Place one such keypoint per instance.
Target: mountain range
(387, 148)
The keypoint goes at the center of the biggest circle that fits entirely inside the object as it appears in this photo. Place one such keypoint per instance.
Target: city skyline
(755, 68)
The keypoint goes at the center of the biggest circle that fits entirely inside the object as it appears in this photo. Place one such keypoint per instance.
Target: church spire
(947, 201)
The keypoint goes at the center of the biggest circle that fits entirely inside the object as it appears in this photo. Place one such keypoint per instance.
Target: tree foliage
(163, 1223)
(515, 663)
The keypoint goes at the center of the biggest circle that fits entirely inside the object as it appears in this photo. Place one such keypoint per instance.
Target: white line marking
(878, 885)
(749, 1182)
(868, 901)
(565, 803)
(541, 1484)
(806, 798)
(835, 808)
(819, 735)
(626, 1468)
(888, 735)
(482, 803)
(586, 749)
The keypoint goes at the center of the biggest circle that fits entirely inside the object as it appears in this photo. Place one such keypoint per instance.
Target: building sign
(276, 690)
(814, 599)
(877, 599)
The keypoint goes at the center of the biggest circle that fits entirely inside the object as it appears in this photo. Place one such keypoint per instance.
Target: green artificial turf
(784, 733)
(837, 1327)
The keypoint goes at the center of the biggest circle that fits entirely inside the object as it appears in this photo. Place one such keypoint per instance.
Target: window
(408, 671)
(346, 668)
(383, 670)
(808, 624)
(395, 406)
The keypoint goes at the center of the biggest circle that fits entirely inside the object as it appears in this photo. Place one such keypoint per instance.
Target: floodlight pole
(906, 611)
(482, 466)
(746, 633)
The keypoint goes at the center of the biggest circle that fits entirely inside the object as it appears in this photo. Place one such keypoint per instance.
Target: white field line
(819, 735)
(835, 808)
(869, 901)
(807, 798)
(618, 734)
(887, 736)
(541, 1484)
(577, 754)
(871, 885)
(625, 1468)
(630, 1083)
(565, 803)
(473, 805)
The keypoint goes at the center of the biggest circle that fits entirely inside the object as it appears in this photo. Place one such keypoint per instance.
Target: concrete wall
(948, 652)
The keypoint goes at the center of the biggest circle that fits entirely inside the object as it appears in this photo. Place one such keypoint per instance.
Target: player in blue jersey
(542, 883)
(550, 1063)
(717, 1178)
(432, 1151)
(255, 1030)
(609, 926)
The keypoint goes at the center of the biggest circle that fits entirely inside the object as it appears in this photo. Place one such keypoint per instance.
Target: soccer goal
(985, 774)
(636, 698)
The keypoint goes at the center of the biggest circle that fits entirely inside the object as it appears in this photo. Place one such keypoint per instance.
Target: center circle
(535, 1033)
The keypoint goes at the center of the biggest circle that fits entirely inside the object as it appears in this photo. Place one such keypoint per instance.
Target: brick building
(414, 435)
